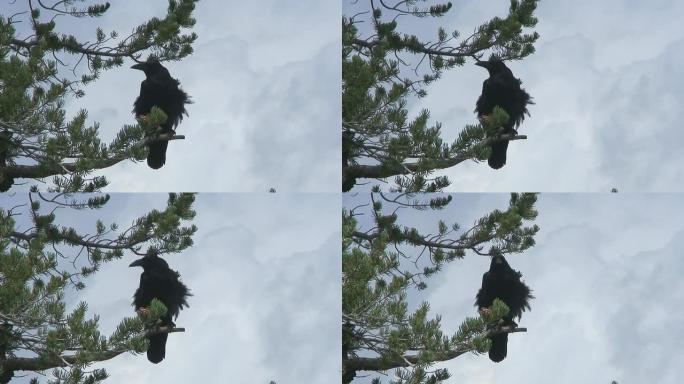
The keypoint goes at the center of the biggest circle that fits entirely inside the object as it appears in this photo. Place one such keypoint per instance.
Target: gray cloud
(265, 81)
(606, 274)
(265, 277)
(607, 89)
(304, 120)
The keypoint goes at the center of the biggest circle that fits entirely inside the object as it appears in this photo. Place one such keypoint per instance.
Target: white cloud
(607, 89)
(264, 78)
(265, 277)
(606, 274)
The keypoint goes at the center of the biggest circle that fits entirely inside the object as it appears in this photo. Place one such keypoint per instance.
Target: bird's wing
(519, 293)
(174, 293)
(483, 297)
(144, 103)
(492, 90)
(140, 298)
(177, 103)
(170, 98)
(522, 100)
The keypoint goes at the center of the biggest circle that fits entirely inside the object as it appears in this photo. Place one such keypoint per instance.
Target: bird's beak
(137, 263)
(139, 66)
(482, 64)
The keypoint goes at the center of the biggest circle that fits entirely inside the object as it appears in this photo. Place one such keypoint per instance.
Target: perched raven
(503, 282)
(160, 282)
(161, 90)
(348, 181)
(502, 89)
(6, 181)
(350, 339)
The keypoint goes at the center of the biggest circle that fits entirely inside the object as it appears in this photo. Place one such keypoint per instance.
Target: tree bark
(386, 363)
(48, 362)
(388, 170)
(42, 170)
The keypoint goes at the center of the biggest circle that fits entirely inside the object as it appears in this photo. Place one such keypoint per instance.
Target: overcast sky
(607, 85)
(265, 277)
(606, 274)
(264, 78)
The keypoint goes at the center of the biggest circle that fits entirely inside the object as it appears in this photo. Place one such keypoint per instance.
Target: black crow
(502, 89)
(163, 91)
(349, 338)
(6, 181)
(160, 282)
(348, 181)
(503, 282)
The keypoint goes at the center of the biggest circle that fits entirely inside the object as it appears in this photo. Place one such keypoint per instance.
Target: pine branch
(48, 362)
(42, 170)
(418, 240)
(450, 52)
(385, 363)
(77, 240)
(387, 170)
(78, 48)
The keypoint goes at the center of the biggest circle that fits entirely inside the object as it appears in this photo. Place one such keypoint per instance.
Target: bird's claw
(142, 311)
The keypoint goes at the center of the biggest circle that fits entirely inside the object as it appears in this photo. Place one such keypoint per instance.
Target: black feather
(160, 282)
(504, 283)
(504, 90)
(348, 142)
(163, 91)
(6, 181)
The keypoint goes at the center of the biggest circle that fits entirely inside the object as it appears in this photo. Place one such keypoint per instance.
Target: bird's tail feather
(497, 159)
(6, 183)
(157, 154)
(157, 349)
(499, 347)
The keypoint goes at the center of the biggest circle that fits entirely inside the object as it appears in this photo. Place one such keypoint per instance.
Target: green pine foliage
(41, 260)
(382, 264)
(382, 67)
(37, 139)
